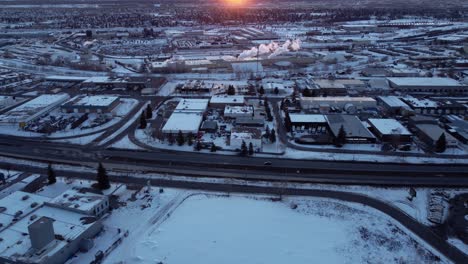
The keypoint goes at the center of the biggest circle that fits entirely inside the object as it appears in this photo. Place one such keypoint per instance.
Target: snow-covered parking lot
(213, 229)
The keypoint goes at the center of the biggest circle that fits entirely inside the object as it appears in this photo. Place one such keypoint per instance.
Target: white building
(34, 232)
(184, 122)
(224, 100)
(192, 105)
(33, 109)
(238, 111)
(81, 202)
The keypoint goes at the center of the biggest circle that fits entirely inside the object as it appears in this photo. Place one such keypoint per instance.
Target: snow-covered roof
(238, 110)
(227, 99)
(18, 204)
(92, 100)
(76, 200)
(388, 126)
(420, 103)
(393, 101)
(185, 122)
(424, 81)
(192, 105)
(33, 107)
(304, 118)
(339, 99)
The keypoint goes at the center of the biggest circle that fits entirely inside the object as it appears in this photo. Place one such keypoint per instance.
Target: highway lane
(212, 165)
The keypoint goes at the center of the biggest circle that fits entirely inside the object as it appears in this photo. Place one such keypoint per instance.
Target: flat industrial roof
(303, 118)
(388, 126)
(393, 101)
(424, 81)
(185, 122)
(92, 100)
(192, 105)
(227, 99)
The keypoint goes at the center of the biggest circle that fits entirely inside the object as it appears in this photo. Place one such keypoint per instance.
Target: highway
(215, 165)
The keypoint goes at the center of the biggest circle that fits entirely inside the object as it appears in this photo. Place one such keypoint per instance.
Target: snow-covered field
(213, 229)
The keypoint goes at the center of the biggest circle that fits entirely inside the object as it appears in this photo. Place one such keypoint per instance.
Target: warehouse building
(390, 130)
(308, 121)
(355, 130)
(238, 111)
(33, 109)
(394, 105)
(430, 133)
(34, 232)
(428, 85)
(221, 101)
(91, 104)
(187, 117)
(340, 102)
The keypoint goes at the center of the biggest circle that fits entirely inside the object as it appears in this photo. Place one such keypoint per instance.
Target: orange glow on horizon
(235, 2)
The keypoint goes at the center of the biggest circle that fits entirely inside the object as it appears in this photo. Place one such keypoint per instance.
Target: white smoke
(272, 49)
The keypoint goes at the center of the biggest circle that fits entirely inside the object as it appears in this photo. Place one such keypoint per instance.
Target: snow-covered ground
(212, 229)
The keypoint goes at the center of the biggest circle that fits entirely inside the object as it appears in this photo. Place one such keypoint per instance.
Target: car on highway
(267, 163)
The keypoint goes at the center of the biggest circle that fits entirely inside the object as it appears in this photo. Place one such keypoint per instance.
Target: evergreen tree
(261, 90)
(51, 174)
(244, 150)
(102, 178)
(213, 147)
(149, 112)
(143, 123)
(170, 139)
(190, 139)
(198, 146)
(273, 136)
(267, 132)
(287, 121)
(441, 144)
(341, 137)
(180, 138)
(231, 90)
(251, 149)
(268, 111)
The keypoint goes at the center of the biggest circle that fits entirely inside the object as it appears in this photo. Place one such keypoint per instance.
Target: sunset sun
(235, 2)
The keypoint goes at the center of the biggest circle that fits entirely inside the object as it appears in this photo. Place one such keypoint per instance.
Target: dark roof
(351, 124)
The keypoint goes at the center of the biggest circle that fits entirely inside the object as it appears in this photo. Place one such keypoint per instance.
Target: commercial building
(430, 133)
(187, 117)
(428, 85)
(341, 102)
(390, 130)
(238, 111)
(355, 130)
(91, 104)
(221, 101)
(192, 106)
(306, 121)
(81, 201)
(185, 122)
(34, 232)
(33, 109)
(247, 135)
(394, 105)
(457, 127)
